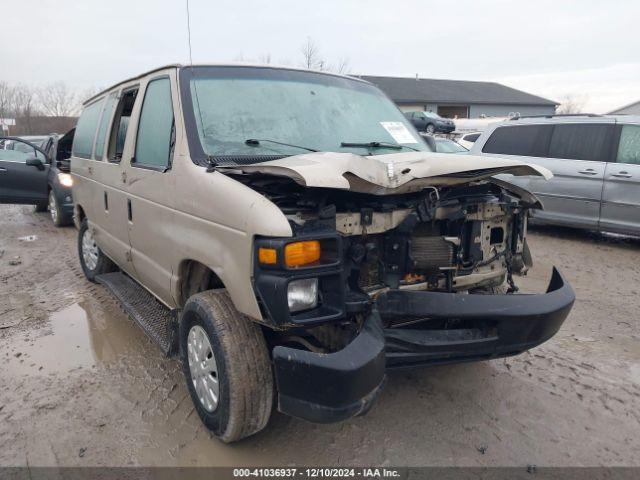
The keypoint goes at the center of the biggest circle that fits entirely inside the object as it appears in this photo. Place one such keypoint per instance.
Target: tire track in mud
(575, 377)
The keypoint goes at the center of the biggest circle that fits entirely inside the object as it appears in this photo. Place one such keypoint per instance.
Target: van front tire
(92, 259)
(226, 364)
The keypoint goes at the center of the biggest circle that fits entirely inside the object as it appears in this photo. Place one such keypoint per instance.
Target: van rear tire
(226, 365)
(92, 260)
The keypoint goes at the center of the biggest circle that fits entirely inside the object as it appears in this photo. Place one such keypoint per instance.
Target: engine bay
(465, 238)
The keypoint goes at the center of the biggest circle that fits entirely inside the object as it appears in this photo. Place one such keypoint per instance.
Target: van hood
(386, 174)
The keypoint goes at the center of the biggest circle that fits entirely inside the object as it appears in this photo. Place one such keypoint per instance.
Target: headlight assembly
(65, 179)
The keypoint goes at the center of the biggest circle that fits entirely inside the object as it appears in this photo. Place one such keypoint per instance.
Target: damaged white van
(291, 237)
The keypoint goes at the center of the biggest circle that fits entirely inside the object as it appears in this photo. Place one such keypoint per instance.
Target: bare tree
(57, 100)
(311, 54)
(314, 60)
(24, 105)
(572, 103)
(6, 100)
(81, 97)
(265, 58)
(343, 66)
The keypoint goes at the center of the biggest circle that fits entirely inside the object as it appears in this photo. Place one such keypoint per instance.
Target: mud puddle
(76, 337)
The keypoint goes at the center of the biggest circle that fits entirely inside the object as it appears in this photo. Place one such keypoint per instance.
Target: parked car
(468, 139)
(40, 141)
(24, 168)
(278, 254)
(444, 145)
(430, 122)
(35, 171)
(596, 164)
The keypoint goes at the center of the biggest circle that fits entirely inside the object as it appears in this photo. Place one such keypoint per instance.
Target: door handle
(129, 211)
(588, 171)
(2, 169)
(621, 175)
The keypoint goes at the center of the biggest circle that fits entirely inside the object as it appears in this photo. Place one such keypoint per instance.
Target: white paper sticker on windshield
(399, 132)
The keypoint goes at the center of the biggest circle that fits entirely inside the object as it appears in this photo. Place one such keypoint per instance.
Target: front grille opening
(497, 235)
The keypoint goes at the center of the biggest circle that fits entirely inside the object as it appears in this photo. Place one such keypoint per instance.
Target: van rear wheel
(92, 259)
(226, 364)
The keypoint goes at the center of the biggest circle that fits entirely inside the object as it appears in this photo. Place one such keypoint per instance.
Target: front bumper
(492, 326)
(332, 387)
(64, 197)
(327, 388)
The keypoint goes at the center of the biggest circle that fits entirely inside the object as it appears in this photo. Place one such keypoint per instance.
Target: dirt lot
(81, 385)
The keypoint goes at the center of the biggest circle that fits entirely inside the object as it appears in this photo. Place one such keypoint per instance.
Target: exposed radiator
(429, 253)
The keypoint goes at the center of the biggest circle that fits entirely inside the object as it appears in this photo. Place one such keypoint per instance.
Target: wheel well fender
(78, 215)
(195, 277)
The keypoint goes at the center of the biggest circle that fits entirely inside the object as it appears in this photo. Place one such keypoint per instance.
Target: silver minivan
(595, 160)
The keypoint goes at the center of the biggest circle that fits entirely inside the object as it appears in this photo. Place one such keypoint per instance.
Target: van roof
(228, 64)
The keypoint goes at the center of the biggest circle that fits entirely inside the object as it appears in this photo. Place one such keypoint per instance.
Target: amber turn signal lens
(298, 254)
(267, 256)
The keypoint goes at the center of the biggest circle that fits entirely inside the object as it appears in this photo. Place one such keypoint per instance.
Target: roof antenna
(189, 36)
(211, 164)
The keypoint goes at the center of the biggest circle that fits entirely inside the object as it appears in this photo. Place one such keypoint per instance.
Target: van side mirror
(35, 162)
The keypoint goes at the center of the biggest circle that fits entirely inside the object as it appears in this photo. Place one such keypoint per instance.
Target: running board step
(157, 321)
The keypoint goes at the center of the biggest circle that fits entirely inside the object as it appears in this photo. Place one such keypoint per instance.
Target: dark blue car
(430, 122)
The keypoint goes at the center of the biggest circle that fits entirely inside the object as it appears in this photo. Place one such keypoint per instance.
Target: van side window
(120, 124)
(104, 124)
(86, 130)
(629, 146)
(155, 130)
(525, 140)
(581, 142)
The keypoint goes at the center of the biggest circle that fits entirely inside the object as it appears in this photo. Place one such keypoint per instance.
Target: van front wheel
(226, 364)
(92, 260)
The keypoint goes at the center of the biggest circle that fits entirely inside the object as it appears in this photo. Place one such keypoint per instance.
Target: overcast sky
(589, 49)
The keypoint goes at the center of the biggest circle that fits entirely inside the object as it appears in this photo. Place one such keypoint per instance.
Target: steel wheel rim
(89, 250)
(203, 368)
(53, 210)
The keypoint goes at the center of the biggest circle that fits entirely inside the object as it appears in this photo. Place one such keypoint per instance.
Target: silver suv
(595, 161)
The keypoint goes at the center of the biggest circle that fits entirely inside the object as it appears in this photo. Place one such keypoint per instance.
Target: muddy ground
(80, 384)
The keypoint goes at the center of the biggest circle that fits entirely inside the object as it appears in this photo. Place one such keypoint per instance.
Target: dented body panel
(391, 173)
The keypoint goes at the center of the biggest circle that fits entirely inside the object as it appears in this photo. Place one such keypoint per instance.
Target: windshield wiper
(394, 146)
(255, 142)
